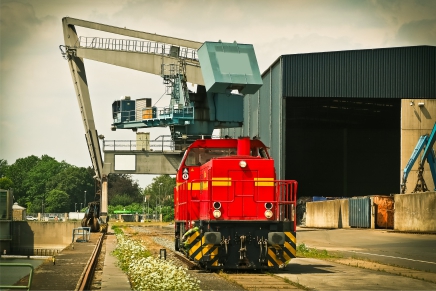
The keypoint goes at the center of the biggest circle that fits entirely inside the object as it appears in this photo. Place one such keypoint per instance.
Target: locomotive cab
(230, 210)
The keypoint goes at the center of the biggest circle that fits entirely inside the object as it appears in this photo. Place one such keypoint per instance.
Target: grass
(295, 284)
(304, 251)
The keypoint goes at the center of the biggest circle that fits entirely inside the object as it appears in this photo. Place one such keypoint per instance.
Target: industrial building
(345, 123)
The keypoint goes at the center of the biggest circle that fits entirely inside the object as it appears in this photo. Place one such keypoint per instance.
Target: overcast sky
(39, 113)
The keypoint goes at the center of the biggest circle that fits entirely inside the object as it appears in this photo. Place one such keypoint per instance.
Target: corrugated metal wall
(404, 72)
(263, 117)
(359, 210)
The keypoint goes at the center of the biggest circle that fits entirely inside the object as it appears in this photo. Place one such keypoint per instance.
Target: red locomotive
(230, 211)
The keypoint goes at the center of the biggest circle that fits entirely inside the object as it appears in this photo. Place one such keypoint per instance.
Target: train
(230, 210)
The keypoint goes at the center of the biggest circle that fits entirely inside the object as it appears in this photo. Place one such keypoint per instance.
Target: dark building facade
(332, 120)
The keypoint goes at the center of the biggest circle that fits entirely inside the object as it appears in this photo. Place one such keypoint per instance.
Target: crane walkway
(140, 46)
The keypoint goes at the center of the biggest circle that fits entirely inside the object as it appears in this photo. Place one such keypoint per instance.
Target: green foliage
(161, 191)
(117, 229)
(6, 183)
(304, 251)
(121, 199)
(18, 172)
(34, 178)
(3, 167)
(168, 213)
(74, 181)
(59, 186)
(39, 176)
(57, 201)
(122, 184)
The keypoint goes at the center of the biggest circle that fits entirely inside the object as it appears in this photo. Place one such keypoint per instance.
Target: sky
(39, 113)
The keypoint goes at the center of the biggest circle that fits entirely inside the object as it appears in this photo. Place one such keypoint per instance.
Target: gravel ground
(154, 242)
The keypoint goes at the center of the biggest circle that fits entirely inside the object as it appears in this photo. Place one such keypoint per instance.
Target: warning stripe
(191, 186)
(225, 181)
(288, 249)
(214, 257)
(263, 181)
(198, 249)
(272, 260)
(290, 244)
(193, 244)
(291, 236)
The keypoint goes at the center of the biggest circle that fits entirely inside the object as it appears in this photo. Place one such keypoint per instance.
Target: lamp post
(75, 207)
(84, 204)
(160, 202)
(81, 205)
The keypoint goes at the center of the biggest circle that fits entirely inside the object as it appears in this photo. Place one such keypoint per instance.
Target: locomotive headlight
(216, 213)
(268, 213)
(268, 205)
(217, 205)
(242, 164)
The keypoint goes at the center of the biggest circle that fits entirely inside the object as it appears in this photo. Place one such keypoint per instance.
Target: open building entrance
(343, 147)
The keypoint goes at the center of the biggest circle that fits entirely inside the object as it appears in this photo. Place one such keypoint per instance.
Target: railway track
(87, 276)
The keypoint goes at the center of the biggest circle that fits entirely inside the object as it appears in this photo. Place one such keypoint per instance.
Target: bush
(148, 273)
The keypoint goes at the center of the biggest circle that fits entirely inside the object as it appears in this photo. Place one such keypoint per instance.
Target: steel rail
(191, 264)
(88, 273)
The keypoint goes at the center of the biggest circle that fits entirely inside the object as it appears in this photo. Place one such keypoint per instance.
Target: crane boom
(78, 74)
(226, 67)
(425, 145)
(132, 33)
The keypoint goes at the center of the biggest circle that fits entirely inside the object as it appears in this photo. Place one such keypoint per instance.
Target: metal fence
(160, 144)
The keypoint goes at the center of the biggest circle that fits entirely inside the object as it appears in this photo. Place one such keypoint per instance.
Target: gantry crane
(224, 67)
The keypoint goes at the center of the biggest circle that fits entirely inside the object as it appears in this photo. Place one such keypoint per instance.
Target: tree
(3, 167)
(120, 184)
(57, 201)
(122, 199)
(161, 191)
(18, 173)
(6, 183)
(74, 181)
(39, 176)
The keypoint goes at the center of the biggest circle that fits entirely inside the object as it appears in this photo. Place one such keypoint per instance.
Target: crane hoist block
(229, 66)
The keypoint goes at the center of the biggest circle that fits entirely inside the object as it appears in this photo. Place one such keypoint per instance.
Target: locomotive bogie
(256, 245)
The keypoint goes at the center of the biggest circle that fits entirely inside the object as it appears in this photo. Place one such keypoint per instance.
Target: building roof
(17, 207)
(399, 72)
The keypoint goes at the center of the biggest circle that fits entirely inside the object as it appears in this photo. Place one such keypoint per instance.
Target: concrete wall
(327, 214)
(36, 234)
(415, 212)
(415, 121)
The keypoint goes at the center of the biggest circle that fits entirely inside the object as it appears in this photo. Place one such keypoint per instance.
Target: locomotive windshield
(199, 156)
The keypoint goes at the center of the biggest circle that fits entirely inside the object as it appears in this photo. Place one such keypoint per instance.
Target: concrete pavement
(113, 278)
(325, 275)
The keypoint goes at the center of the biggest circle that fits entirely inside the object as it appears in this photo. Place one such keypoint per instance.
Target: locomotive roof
(223, 143)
